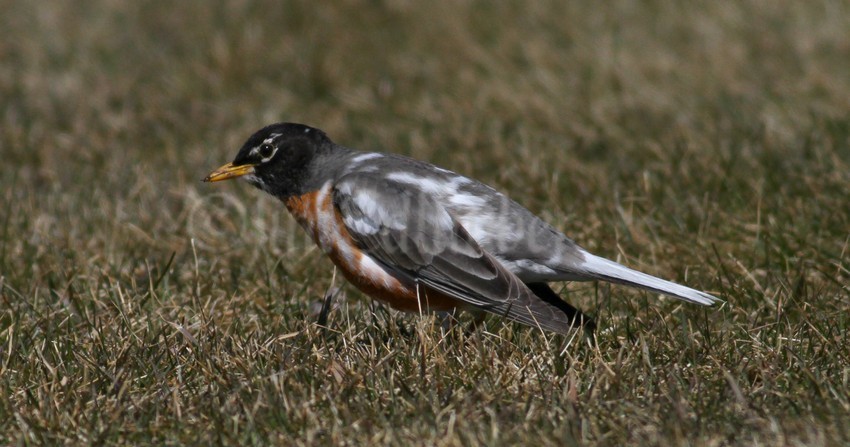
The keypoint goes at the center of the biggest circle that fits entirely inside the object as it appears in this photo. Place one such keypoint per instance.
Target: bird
(421, 238)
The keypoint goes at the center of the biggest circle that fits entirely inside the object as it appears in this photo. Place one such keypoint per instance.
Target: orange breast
(316, 213)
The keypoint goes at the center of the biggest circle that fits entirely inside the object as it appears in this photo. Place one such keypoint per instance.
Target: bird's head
(274, 158)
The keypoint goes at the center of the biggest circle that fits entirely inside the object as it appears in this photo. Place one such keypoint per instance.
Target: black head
(277, 158)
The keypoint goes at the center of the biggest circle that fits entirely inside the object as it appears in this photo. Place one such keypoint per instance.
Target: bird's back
(529, 247)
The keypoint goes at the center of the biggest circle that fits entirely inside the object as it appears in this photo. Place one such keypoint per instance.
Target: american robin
(422, 238)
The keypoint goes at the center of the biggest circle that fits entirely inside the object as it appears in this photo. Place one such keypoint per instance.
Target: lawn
(704, 142)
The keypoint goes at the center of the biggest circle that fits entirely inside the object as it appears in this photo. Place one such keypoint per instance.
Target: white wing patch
(360, 225)
(444, 220)
(528, 270)
(484, 227)
(458, 181)
(366, 157)
(428, 185)
(380, 215)
(467, 200)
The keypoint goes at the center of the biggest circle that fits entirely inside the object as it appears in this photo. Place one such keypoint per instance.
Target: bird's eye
(266, 150)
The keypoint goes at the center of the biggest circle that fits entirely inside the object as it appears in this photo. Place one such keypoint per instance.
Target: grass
(708, 143)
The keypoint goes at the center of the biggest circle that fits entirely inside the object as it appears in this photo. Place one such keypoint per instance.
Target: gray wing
(521, 242)
(410, 233)
(534, 251)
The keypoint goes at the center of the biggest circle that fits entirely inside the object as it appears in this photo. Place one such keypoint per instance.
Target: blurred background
(706, 142)
(114, 110)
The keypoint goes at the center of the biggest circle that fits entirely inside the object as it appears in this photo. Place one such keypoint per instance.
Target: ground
(704, 142)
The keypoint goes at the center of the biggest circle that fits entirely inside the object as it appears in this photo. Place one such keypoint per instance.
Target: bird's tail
(595, 267)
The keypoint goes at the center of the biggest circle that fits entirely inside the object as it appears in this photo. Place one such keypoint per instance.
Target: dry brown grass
(708, 143)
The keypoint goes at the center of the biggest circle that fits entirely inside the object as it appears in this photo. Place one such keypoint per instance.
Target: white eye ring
(266, 151)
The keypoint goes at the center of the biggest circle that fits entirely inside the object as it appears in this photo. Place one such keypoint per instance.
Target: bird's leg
(327, 304)
(326, 307)
(477, 321)
(447, 320)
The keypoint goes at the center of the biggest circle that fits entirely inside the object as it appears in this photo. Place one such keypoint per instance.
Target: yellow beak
(229, 171)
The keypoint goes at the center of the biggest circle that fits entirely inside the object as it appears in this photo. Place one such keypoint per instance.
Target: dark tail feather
(545, 293)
